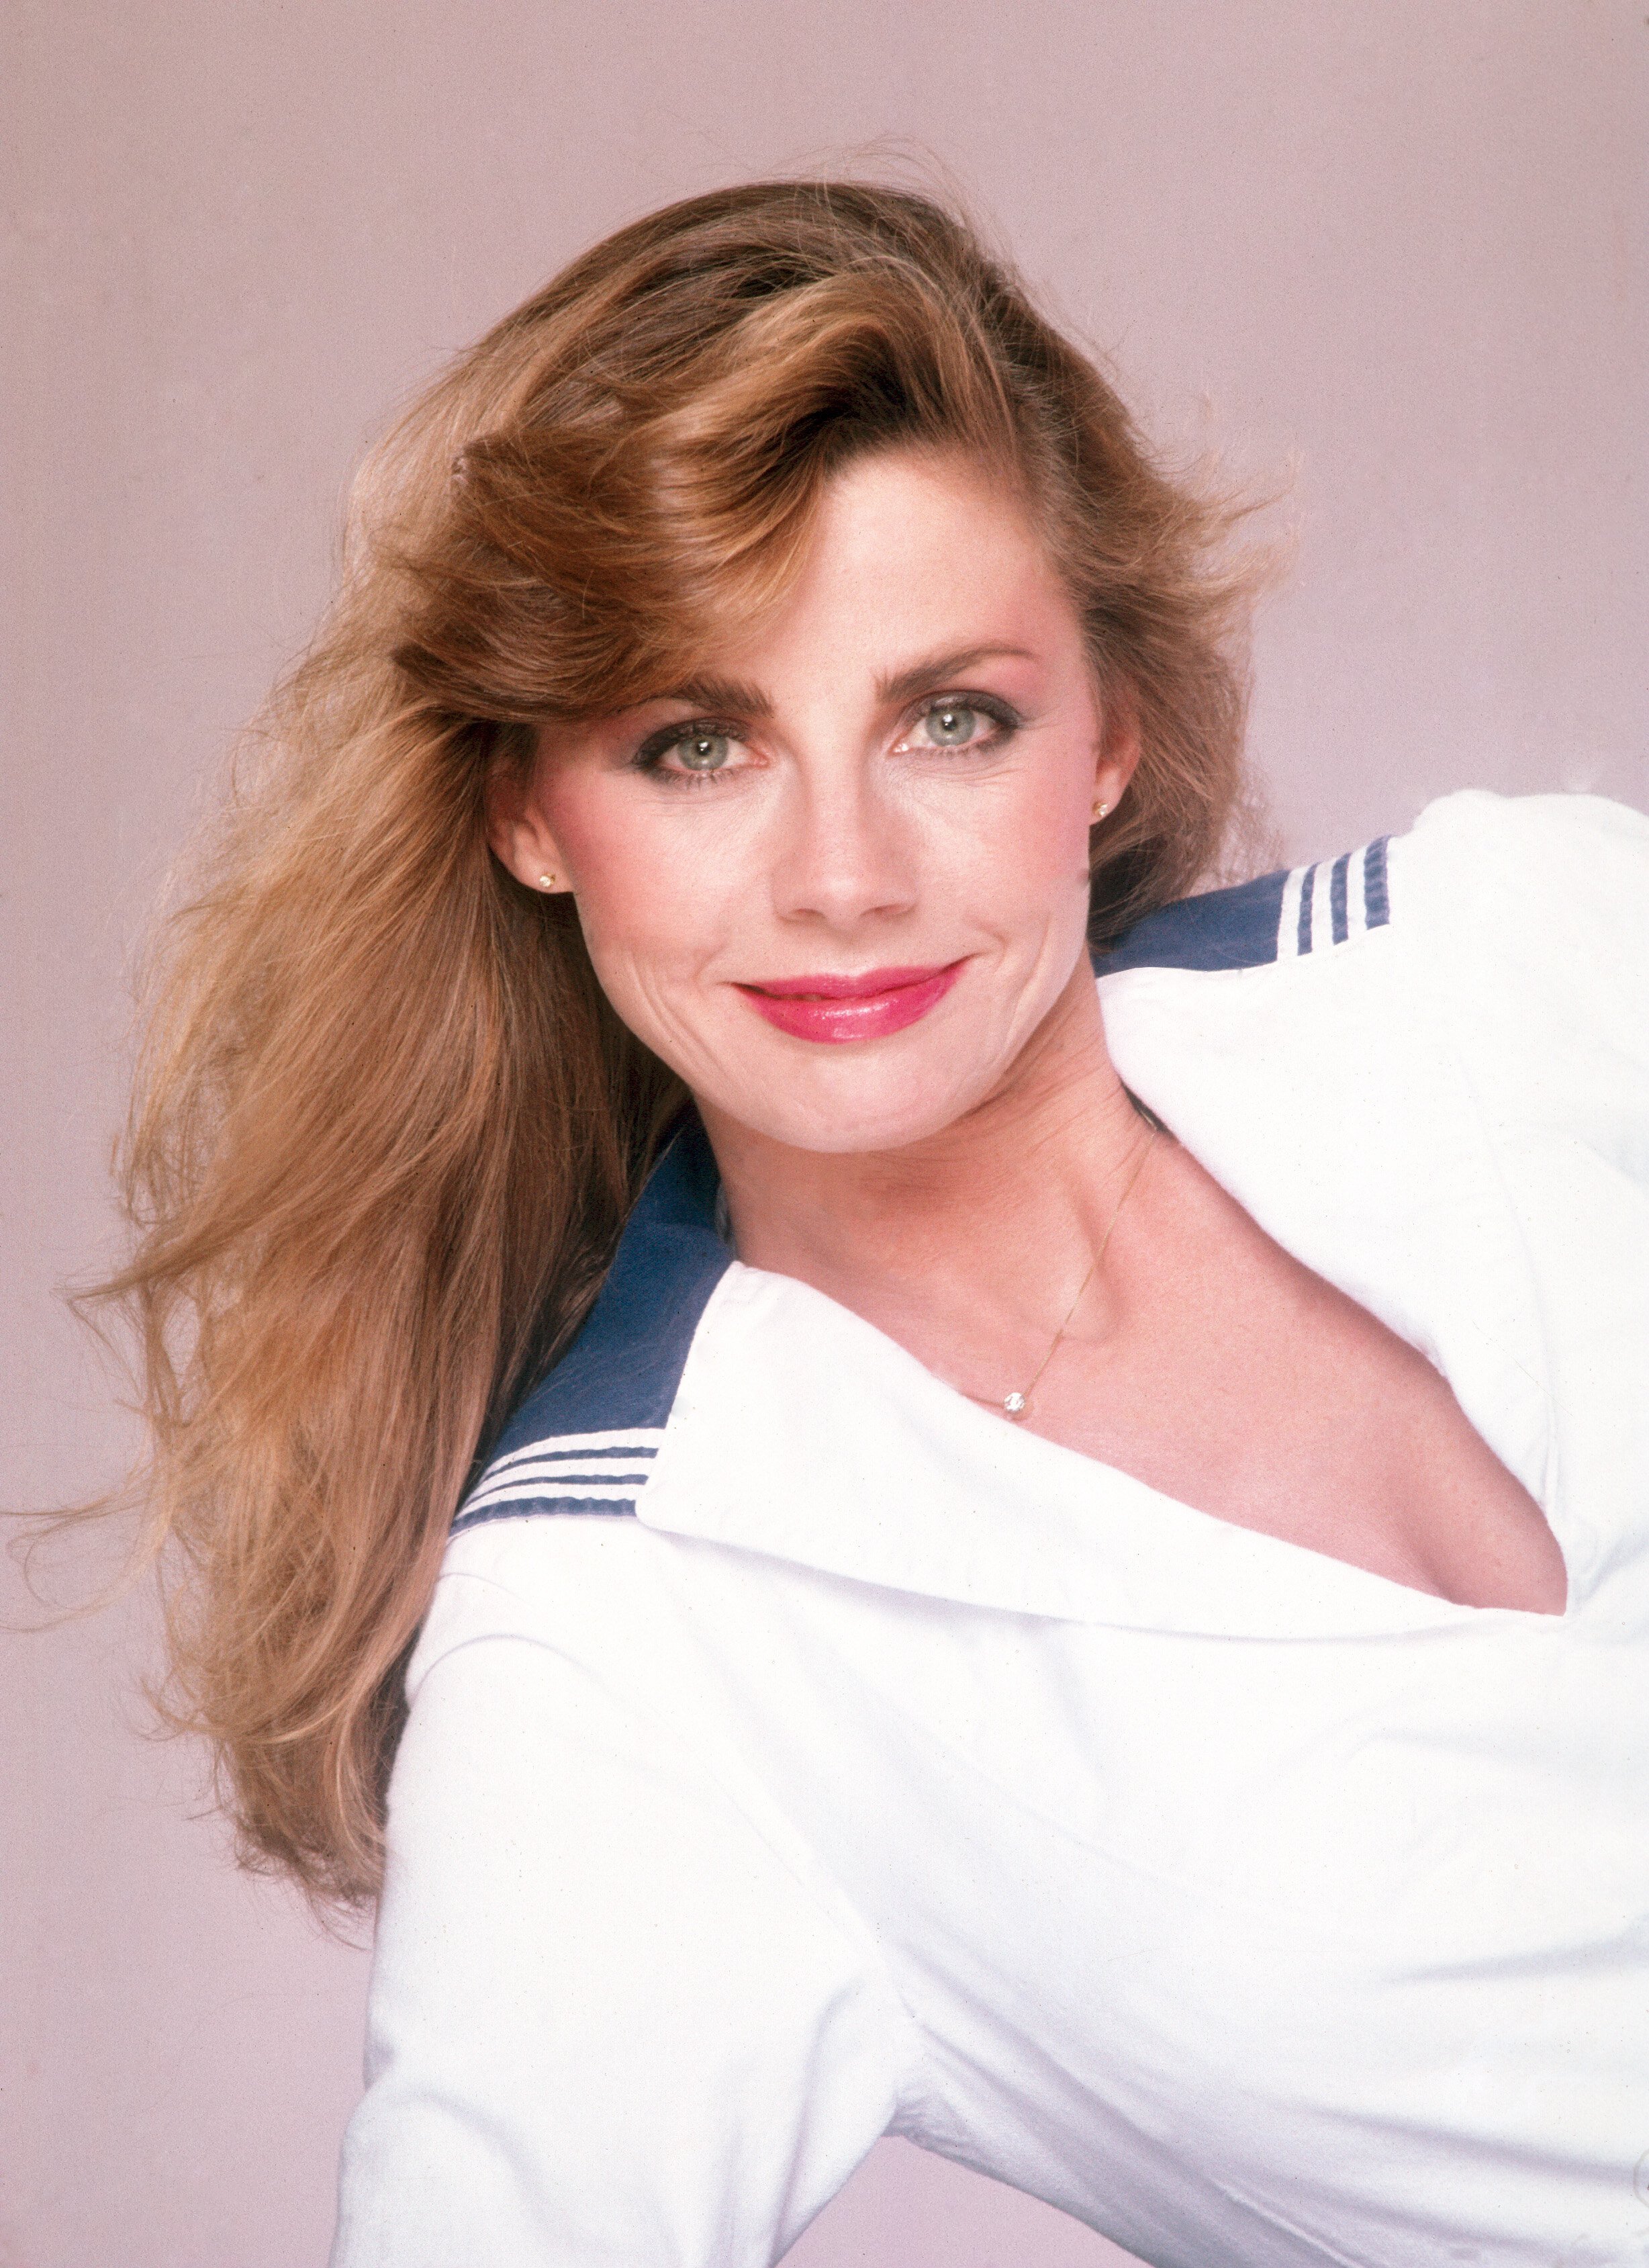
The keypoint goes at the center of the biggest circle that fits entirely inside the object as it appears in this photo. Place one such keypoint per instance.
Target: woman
(1050, 1569)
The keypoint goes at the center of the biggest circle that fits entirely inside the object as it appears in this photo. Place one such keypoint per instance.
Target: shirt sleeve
(609, 2023)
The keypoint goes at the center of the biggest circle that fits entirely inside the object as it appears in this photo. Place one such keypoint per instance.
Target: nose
(844, 854)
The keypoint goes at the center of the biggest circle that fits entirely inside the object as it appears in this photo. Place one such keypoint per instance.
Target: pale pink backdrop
(1393, 249)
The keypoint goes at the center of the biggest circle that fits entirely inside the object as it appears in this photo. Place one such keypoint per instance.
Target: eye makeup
(996, 712)
(704, 733)
(701, 732)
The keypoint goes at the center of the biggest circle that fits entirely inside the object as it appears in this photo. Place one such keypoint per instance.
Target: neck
(1032, 1170)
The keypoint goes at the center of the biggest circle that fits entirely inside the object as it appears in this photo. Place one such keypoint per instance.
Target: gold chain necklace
(1014, 1405)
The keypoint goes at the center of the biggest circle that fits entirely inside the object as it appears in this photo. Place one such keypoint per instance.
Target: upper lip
(838, 987)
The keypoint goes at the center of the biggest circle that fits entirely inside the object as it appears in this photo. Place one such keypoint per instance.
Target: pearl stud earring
(1100, 810)
(546, 881)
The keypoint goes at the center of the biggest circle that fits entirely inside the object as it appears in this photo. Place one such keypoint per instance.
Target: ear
(518, 831)
(1117, 756)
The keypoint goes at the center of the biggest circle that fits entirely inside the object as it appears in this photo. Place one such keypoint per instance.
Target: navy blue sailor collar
(726, 1436)
(585, 1440)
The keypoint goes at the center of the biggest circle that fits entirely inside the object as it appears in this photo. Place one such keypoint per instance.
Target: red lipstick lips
(864, 1007)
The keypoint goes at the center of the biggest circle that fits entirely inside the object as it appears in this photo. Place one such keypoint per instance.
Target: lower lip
(868, 1016)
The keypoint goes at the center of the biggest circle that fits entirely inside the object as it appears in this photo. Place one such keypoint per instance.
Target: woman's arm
(607, 2023)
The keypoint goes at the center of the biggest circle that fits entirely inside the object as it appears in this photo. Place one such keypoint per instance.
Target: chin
(839, 1115)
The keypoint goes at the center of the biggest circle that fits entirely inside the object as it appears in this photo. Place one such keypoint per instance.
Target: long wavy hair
(386, 1129)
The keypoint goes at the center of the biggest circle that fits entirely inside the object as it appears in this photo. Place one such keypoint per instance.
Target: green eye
(704, 752)
(951, 724)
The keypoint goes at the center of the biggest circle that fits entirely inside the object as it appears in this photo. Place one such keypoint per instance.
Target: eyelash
(648, 758)
(1007, 720)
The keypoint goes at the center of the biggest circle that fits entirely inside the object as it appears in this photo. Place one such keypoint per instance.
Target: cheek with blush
(656, 912)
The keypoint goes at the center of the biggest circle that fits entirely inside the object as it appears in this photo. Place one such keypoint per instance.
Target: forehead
(908, 554)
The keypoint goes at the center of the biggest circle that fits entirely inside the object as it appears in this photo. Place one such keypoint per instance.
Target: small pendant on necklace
(1014, 1404)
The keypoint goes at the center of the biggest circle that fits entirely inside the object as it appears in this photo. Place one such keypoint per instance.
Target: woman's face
(839, 880)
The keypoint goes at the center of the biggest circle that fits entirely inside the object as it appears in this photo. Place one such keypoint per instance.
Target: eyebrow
(720, 696)
(921, 676)
(733, 696)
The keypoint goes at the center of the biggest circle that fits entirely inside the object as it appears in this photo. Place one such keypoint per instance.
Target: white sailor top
(799, 1754)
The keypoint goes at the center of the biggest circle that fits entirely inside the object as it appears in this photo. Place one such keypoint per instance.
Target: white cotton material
(895, 1770)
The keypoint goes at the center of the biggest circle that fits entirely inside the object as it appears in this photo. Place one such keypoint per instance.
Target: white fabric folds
(848, 1762)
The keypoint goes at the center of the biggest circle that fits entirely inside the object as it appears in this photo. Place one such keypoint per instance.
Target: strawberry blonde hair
(385, 1127)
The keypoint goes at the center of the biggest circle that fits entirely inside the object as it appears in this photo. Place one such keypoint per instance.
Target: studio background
(1390, 252)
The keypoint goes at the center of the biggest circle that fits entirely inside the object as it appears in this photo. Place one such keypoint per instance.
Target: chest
(1241, 1383)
